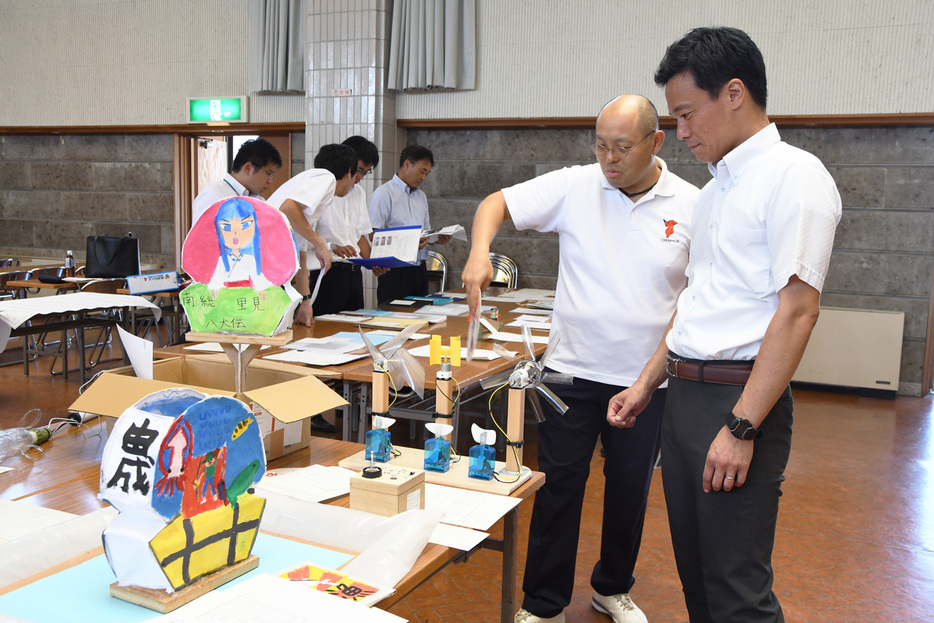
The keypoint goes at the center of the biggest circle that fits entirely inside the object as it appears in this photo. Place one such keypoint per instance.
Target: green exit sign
(217, 110)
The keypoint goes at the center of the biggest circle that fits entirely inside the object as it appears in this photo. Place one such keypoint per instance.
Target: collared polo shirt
(394, 204)
(343, 224)
(620, 265)
(223, 189)
(314, 190)
(769, 213)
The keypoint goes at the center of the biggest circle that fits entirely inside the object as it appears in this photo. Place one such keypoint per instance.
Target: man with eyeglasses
(251, 173)
(624, 232)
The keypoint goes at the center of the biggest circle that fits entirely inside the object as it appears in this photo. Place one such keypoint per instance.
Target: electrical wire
(515, 451)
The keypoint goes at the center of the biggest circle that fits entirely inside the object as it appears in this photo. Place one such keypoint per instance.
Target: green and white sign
(217, 110)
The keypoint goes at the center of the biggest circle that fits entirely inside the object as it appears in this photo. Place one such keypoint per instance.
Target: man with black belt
(400, 203)
(624, 233)
(345, 227)
(763, 234)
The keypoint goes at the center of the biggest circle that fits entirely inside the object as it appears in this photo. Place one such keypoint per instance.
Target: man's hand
(324, 257)
(379, 271)
(423, 242)
(444, 239)
(345, 251)
(305, 314)
(477, 275)
(727, 462)
(625, 406)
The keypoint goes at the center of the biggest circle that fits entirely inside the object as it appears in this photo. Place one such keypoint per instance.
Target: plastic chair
(437, 266)
(16, 275)
(505, 271)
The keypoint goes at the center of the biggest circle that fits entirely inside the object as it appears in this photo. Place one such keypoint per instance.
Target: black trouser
(399, 283)
(341, 289)
(565, 448)
(723, 540)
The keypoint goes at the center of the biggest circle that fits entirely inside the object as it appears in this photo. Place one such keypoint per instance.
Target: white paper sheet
(399, 242)
(267, 597)
(531, 311)
(454, 231)
(343, 318)
(533, 322)
(315, 483)
(19, 519)
(14, 313)
(479, 354)
(139, 351)
(214, 347)
(315, 357)
(502, 336)
(470, 509)
(459, 538)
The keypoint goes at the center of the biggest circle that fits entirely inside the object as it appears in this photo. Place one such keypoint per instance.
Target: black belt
(720, 372)
(346, 266)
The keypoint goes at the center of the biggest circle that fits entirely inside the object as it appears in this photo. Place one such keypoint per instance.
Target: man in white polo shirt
(624, 232)
(764, 229)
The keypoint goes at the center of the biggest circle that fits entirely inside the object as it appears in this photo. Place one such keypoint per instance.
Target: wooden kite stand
(163, 602)
(240, 359)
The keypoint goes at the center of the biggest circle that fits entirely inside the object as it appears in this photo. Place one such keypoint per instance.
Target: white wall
(135, 62)
(558, 58)
(129, 62)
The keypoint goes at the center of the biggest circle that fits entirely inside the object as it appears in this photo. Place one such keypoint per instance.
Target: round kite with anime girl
(242, 255)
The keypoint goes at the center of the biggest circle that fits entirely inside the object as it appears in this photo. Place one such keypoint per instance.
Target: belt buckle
(671, 366)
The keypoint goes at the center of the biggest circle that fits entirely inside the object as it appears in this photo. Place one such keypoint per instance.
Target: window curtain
(433, 45)
(277, 46)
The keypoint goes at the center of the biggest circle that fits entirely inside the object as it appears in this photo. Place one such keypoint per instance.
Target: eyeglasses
(602, 151)
(269, 175)
(364, 172)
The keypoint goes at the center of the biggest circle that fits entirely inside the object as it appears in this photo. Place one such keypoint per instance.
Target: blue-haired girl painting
(238, 238)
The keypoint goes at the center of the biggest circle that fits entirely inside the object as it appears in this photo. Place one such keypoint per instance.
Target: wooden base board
(163, 602)
(454, 477)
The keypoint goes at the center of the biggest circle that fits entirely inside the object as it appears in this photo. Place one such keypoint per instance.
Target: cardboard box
(152, 282)
(283, 397)
(397, 490)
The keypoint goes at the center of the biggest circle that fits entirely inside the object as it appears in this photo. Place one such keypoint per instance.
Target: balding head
(637, 106)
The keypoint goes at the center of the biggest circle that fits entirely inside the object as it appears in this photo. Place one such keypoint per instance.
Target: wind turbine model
(392, 361)
(527, 374)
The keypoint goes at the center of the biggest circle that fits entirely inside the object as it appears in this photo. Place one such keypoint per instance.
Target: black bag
(109, 256)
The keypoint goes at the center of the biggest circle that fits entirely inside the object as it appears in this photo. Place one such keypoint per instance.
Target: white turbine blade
(527, 340)
(492, 382)
(374, 353)
(557, 378)
(390, 346)
(552, 344)
(408, 369)
(556, 403)
(505, 354)
(536, 406)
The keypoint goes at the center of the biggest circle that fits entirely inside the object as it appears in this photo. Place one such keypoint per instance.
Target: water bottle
(69, 263)
(15, 441)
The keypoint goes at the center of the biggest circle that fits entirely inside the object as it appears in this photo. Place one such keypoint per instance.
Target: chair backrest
(54, 271)
(10, 261)
(437, 266)
(505, 271)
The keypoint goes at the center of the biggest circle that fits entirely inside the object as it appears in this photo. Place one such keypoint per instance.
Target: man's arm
(782, 347)
(478, 271)
(294, 212)
(625, 406)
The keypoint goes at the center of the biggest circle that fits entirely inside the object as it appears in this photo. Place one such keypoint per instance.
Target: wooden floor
(855, 534)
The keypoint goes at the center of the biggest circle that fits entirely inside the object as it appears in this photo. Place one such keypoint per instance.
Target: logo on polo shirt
(670, 228)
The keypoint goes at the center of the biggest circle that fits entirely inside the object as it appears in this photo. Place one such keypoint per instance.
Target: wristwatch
(741, 428)
(306, 297)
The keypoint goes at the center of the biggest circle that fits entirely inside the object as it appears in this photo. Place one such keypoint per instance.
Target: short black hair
(713, 57)
(338, 159)
(259, 152)
(365, 150)
(414, 153)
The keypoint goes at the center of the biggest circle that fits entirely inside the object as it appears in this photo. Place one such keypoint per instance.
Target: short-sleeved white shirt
(223, 189)
(620, 268)
(769, 213)
(343, 223)
(394, 204)
(314, 189)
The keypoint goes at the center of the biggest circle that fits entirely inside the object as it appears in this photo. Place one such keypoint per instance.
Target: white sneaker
(619, 607)
(524, 616)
